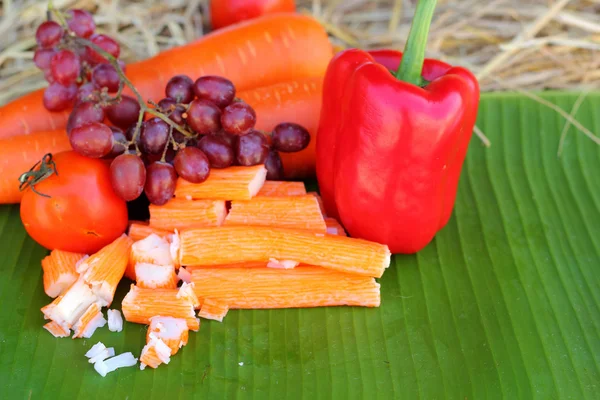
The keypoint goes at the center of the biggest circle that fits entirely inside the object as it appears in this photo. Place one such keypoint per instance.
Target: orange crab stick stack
(59, 271)
(139, 305)
(296, 212)
(213, 309)
(181, 213)
(139, 230)
(232, 183)
(305, 286)
(205, 246)
(282, 188)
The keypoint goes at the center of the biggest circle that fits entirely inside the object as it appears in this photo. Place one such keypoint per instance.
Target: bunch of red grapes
(74, 71)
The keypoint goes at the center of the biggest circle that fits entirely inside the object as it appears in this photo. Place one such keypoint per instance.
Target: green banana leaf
(504, 303)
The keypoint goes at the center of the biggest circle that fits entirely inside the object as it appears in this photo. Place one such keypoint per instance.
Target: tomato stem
(41, 171)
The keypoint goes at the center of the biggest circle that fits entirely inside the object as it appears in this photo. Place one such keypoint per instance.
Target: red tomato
(227, 12)
(82, 214)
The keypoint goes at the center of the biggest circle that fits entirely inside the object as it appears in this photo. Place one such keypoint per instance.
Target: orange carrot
(59, 271)
(294, 212)
(231, 244)
(298, 287)
(334, 227)
(139, 305)
(139, 230)
(256, 53)
(213, 309)
(233, 183)
(19, 154)
(181, 213)
(296, 101)
(281, 188)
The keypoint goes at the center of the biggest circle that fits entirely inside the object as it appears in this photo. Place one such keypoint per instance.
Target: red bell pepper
(390, 149)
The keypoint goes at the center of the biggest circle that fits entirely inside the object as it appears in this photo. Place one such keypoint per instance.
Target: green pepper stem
(414, 51)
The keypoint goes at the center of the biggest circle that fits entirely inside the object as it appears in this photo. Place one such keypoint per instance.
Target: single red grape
(218, 152)
(203, 117)
(84, 113)
(160, 182)
(43, 57)
(48, 76)
(119, 142)
(192, 164)
(180, 89)
(125, 113)
(251, 149)
(290, 138)
(274, 166)
(169, 107)
(65, 67)
(166, 105)
(238, 118)
(58, 97)
(48, 34)
(128, 176)
(81, 22)
(86, 93)
(217, 89)
(105, 75)
(107, 44)
(154, 136)
(92, 140)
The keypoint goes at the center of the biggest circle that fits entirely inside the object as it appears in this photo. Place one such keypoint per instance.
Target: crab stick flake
(285, 264)
(139, 305)
(232, 183)
(59, 271)
(104, 270)
(281, 188)
(213, 309)
(154, 353)
(56, 330)
(184, 275)
(95, 350)
(102, 355)
(234, 244)
(172, 331)
(87, 324)
(152, 250)
(139, 230)
(180, 213)
(295, 212)
(115, 320)
(47, 309)
(186, 291)
(304, 286)
(113, 363)
(334, 227)
(153, 276)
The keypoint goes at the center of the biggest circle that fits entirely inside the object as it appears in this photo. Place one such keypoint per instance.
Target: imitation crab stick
(297, 101)
(153, 276)
(231, 244)
(19, 154)
(282, 188)
(297, 212)
(298, 287)
(87, 324)
(320, 202)
(66, 310)
(139, 230)
(139, 305)
(256, 53)
(213, 309)
(154, 353)
(272, 263)
(59, 271)
(103, 270)
(56, 330)
(232, 183)
(334, 227)
(151, 250)
(172, 331)
(180, 213)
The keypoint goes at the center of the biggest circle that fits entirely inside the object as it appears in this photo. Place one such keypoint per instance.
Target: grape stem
(124, 81)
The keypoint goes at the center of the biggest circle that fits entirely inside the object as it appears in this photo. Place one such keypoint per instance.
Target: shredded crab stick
(295, 212)
(71, 305)
(172, 331)
(181, 213)
(59, 271)
(213, 309)
(282, 188)
(205, 246)
(249, 288)
(154, 353)
(115, 320)
(153, 249)
(56, 330)
(87, 324)
(139, 230)
(153, 276)
(122, 360)
(139, 305)
(334, 227)
(104, 270)
(232, 183)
